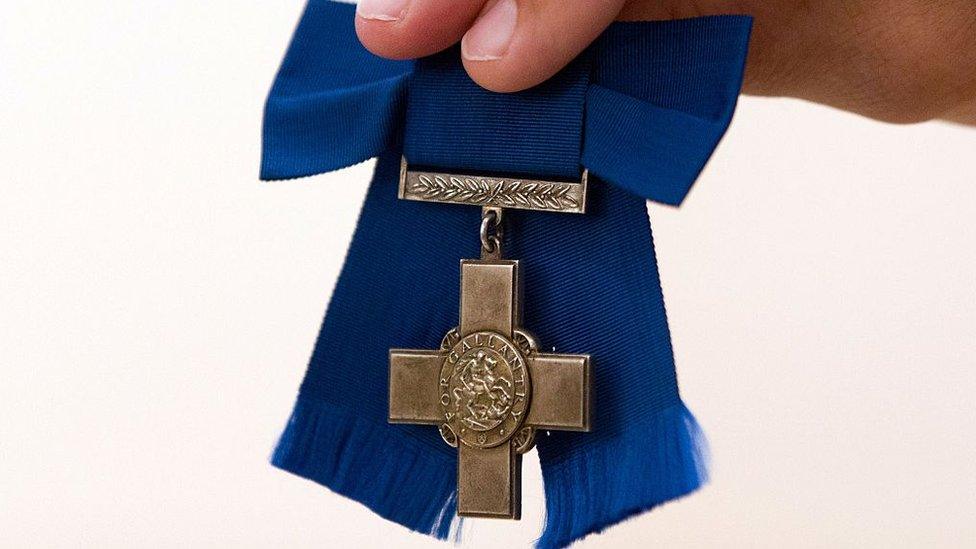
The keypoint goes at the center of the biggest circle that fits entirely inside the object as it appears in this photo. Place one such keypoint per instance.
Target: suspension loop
(491, 233)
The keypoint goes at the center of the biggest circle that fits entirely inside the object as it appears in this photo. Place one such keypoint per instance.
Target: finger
(401, 29)
(516, 44)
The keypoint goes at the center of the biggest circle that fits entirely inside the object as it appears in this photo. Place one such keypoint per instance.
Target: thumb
(516, 44)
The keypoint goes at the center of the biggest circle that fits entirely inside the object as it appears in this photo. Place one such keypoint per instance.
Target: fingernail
(488, 39)
(382, 10)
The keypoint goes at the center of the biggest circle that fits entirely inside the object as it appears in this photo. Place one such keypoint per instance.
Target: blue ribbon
(642, 110)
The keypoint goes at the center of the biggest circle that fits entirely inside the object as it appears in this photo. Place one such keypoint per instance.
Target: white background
(158, 305)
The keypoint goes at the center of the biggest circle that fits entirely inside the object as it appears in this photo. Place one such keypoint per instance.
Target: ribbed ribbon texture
(642, 109)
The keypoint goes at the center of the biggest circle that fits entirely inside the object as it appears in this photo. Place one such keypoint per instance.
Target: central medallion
(484, 388)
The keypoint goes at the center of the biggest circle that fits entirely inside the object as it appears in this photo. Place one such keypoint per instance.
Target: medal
(489, 386)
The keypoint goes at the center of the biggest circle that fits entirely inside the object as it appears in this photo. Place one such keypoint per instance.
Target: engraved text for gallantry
(484, 387)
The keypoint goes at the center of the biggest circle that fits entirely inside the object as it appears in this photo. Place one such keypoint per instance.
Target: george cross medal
(489, 387)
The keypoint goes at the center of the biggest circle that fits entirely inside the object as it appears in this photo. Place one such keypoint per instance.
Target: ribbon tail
(664, 458)
(644, 448)
(338, 434)
(661, 99)
(361, 460)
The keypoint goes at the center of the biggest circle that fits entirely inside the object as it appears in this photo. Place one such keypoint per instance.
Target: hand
(894, 60)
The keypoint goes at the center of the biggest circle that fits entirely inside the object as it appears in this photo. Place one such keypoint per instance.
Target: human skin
(899, 61)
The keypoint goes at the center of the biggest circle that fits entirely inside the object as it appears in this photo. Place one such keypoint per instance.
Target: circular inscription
(484, 389)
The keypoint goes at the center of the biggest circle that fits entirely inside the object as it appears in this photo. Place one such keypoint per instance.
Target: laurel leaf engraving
(496, 192)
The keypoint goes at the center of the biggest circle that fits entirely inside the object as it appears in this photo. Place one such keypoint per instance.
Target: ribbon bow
(651, 101)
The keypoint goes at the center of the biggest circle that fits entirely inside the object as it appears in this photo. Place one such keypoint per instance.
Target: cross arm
(414, 391)
(560, 392)
(489, 296)
(489, 482)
